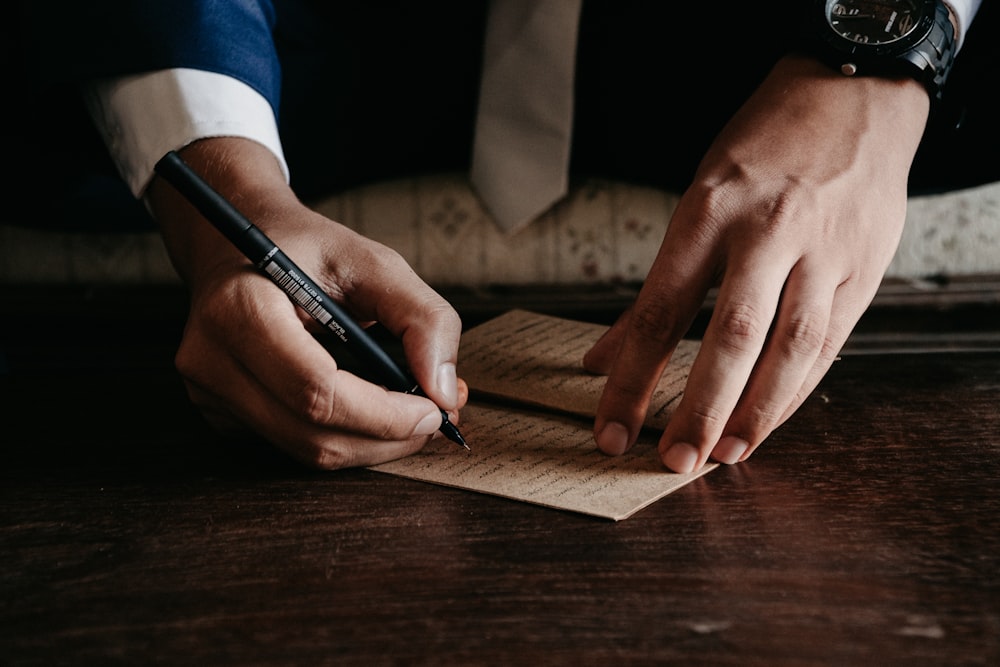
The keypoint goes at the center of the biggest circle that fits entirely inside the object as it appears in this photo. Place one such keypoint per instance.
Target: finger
(745, 307)
(848, 307)
(426, 324)
(300, 375)
(664, 309)
(313, 444)
(252, 329)
(430, 333)
(795, 342)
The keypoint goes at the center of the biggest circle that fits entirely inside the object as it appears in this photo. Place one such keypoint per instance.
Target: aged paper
(530, 423)
(535, 359)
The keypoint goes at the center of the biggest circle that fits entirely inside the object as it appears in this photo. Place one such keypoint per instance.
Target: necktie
(520, 154)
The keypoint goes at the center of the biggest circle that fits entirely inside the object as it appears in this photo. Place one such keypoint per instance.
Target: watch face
(874, 21)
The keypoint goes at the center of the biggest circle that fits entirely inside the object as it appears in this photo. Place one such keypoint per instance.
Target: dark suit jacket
(75, 41)
(382, 89)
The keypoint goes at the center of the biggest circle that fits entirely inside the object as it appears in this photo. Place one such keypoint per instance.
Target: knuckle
(383, 255)
(186, 363)
(764, 416)
(191, 364)
(334, 456)
(438, 310)
(740, 327)
(781, 212)
(316, 403)
(627, 395)
(653, 320)
(715, 199)
(804, 335)
(707, 206)
(783, 208)
(769, 206)
(706, 419)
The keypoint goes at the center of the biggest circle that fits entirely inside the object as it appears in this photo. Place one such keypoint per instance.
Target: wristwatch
(887, 38)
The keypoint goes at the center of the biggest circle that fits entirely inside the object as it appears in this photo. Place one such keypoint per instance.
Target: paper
(531, 418)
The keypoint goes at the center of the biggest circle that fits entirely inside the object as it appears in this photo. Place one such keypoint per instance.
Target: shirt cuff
(144, 116)
(964, 11)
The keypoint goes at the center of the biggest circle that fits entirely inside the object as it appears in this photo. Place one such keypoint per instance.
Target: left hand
(795, 213)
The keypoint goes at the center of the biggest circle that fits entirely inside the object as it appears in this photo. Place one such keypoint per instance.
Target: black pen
(301, 289)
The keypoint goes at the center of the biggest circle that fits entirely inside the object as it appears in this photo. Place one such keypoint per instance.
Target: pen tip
(451, 431)
(455, 436)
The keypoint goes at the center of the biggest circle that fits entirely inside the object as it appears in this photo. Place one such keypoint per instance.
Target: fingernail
(429, 424)
(729, 449)
(447, 380)
(613, 439)
(681, 457)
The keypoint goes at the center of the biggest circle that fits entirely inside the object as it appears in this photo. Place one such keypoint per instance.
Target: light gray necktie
(520, 155)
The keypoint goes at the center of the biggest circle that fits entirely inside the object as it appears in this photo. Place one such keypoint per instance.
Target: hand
(795, 213)
(249, 357)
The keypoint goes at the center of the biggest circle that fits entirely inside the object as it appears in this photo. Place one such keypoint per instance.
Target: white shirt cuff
(144, 116)
(964, 11)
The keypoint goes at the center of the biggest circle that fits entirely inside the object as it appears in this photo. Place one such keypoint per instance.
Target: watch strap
(929, 60)
(937, 50)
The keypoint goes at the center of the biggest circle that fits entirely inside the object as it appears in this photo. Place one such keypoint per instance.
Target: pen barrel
(213, 206)
(321, 307)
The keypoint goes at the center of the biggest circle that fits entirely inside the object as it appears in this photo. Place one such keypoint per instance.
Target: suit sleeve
(71, 41)
(155, 75)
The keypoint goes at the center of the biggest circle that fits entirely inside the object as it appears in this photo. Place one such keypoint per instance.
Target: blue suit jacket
(82, 40)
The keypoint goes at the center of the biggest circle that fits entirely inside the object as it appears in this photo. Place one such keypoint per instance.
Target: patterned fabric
(604, 233)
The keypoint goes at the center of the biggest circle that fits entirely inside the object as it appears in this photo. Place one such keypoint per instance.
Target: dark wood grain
(864, 532)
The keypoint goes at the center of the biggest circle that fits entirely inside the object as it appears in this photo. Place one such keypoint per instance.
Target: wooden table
(864, 532)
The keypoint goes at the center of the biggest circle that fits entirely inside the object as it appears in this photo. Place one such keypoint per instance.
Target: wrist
(241, 170)
(901, 97)
(803, 109)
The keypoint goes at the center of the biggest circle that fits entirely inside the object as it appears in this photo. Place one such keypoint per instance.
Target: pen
(299, 287)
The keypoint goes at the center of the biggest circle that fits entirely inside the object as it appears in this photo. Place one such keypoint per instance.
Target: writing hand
(249, 357)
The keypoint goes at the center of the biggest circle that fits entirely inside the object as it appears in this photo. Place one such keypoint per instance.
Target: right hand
(249, 357)
(794, 214)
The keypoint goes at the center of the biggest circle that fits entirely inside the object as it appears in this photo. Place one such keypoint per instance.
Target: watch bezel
(887, 49)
